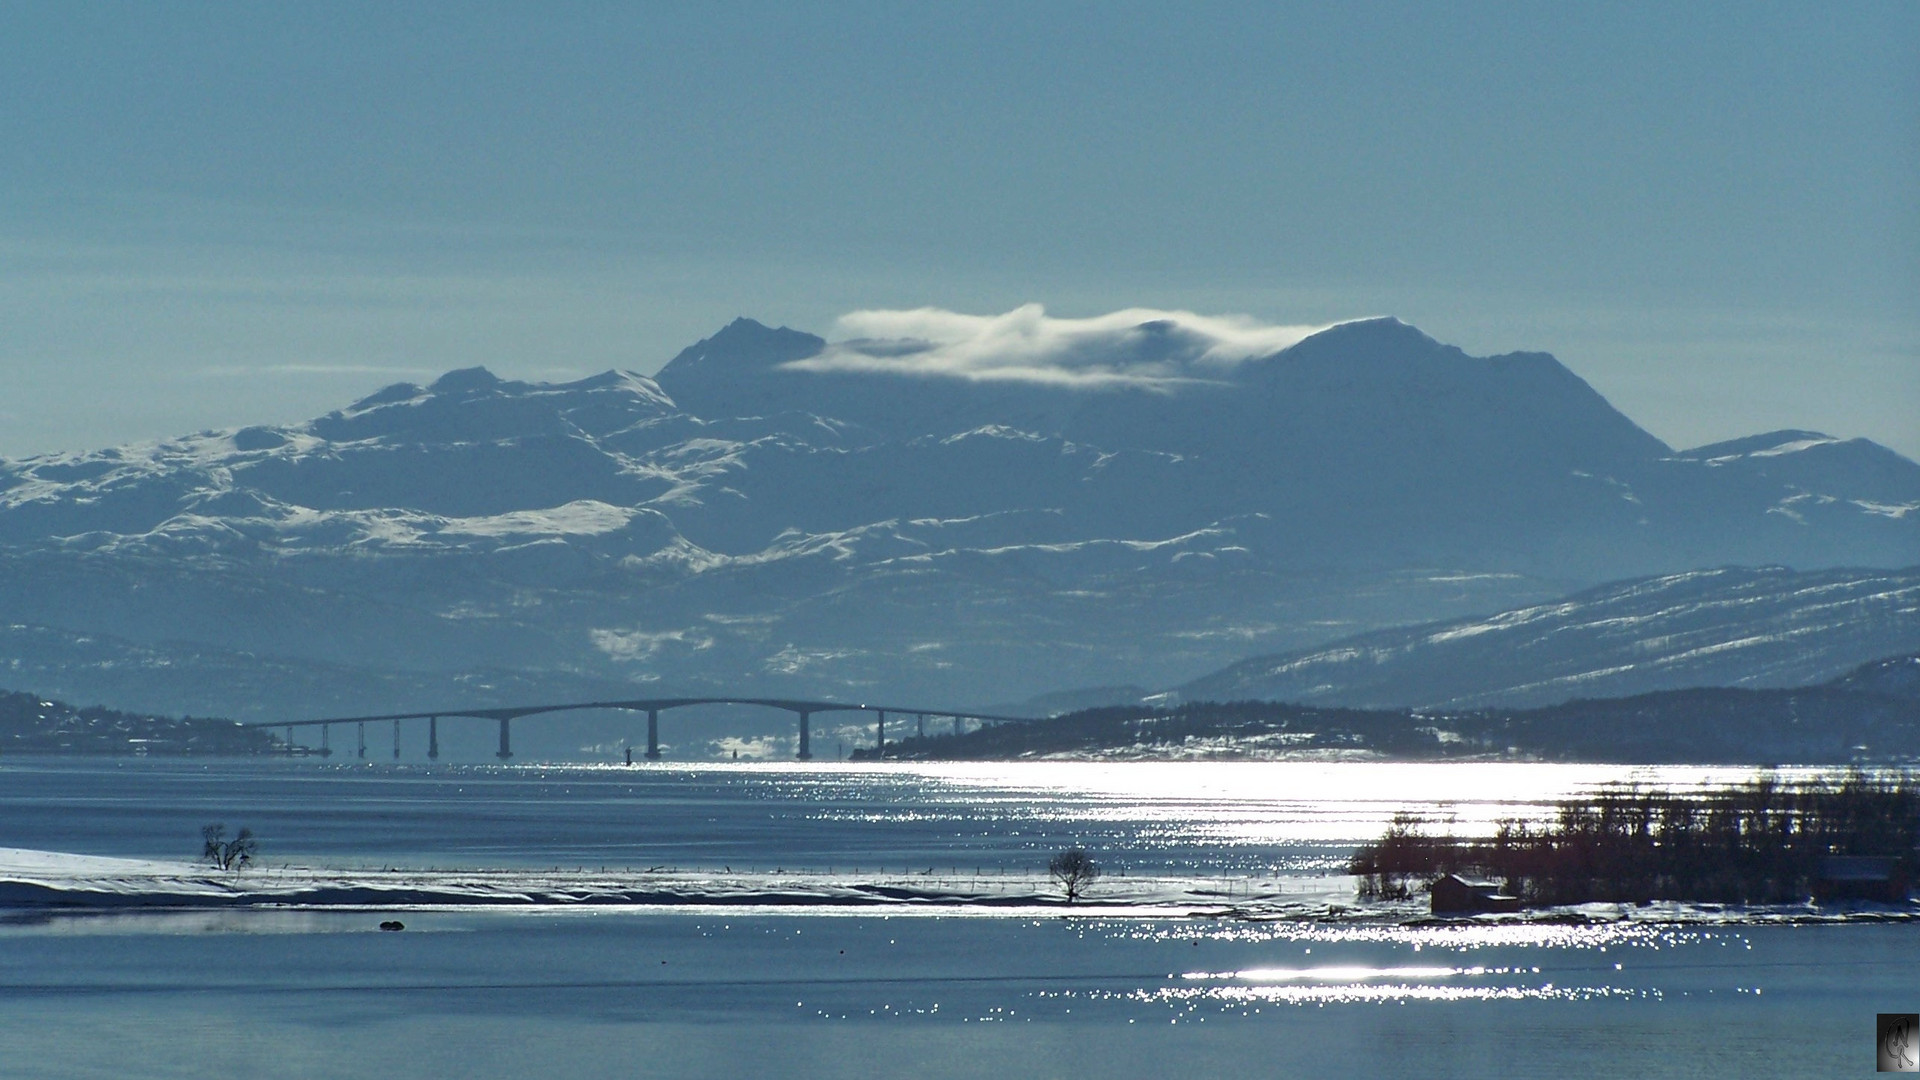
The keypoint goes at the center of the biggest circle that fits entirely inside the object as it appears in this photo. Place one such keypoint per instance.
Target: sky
(214, 215)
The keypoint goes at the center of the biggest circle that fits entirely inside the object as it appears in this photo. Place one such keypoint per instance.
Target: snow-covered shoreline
(32, 880)
(43, 879)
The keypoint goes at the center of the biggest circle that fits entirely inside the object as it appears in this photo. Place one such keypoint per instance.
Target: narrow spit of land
(42, 880)
(37, 885)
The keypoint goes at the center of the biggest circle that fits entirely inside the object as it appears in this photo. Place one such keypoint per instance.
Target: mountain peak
(735, 361)
(741, 345)
(465, 381)
(1370, 337)
(1768, 443)
(1876, 478)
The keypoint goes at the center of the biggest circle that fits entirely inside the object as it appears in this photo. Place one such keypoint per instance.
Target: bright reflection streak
(1333, 974)
(1591, 936)
(1348, 993)
(1307, 815)
(1268, 802)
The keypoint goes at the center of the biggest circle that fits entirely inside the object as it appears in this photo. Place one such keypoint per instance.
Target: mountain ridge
(1765, 627)
(938, 537)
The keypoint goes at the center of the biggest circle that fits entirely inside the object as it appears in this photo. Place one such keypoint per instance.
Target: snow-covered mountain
(1769, 627)
(961, 516)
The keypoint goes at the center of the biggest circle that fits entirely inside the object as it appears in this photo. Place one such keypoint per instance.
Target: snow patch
(637, 645)
(584, 517)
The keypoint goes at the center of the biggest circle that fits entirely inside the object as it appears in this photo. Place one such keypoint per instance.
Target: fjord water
(712, 991)
(1175, 817)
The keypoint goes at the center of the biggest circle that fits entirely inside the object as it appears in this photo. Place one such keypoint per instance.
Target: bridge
(802, 709)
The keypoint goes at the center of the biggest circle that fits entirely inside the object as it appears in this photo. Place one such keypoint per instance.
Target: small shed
(1453, 894)
(1878, 878)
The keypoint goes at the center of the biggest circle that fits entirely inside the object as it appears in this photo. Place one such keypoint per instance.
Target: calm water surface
(726, 993)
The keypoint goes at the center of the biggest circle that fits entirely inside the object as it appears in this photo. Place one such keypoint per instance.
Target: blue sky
(213, 215)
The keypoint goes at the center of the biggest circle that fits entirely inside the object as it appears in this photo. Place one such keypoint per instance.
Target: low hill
(1895, 676)
(31, 724)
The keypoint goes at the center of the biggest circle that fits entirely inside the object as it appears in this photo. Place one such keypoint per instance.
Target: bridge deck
(797, 706)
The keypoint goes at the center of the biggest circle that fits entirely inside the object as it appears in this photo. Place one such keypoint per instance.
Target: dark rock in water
(393, 924)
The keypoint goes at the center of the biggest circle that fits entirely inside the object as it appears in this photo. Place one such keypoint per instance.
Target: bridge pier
(922, 730)
(326, 740)
(433, 738)
(956, 725)
(289, 740)
(880, 734)
(506, 742)
(396, 740)
(806, 737)
(362, 726)
(653, 736)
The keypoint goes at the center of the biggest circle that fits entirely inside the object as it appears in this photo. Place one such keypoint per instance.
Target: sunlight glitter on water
(1339, 973)
(1278, 802)
(1216, 804)
(1386, 993)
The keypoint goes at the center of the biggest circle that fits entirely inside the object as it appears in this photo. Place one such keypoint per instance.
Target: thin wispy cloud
(1138, 347)
(241, 371)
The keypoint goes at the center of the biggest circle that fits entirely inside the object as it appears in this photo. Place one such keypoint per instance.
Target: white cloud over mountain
(1139, 347)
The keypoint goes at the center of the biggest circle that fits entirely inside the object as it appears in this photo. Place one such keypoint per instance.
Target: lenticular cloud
(1135, 347)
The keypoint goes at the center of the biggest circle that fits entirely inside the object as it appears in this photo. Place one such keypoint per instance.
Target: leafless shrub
(227, 854)
(1073, 870)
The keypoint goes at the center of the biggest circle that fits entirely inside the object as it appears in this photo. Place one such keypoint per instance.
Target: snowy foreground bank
(46, 880)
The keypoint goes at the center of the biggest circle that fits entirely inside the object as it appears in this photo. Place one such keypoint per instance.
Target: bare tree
(227, 854)
(1073, 870)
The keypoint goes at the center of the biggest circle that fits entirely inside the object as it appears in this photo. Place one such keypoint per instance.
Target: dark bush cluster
(1760, 842)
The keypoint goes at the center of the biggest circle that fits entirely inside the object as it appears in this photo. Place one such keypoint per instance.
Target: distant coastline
(1821, 725)
(32, 724)
(1828, 724)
